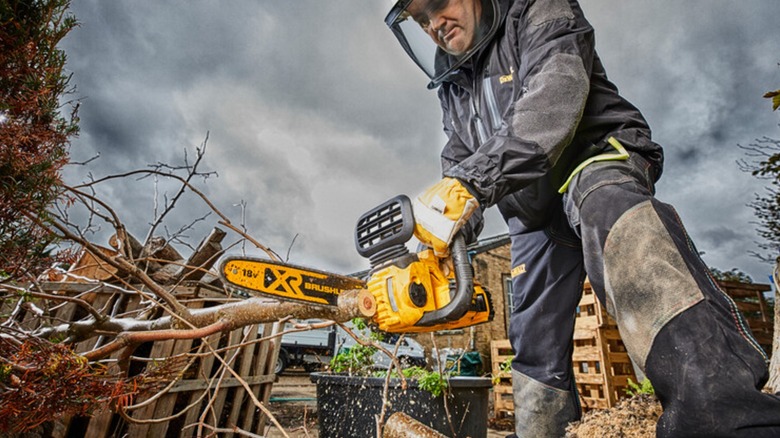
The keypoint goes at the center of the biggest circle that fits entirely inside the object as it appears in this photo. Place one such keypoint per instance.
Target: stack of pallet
(601, 365)
(500, 352)
(253, 360)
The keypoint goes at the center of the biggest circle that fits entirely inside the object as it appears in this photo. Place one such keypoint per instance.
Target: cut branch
(401, 425)
(221, 318)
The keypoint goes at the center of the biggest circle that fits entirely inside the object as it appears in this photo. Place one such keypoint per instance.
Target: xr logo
(284, 281)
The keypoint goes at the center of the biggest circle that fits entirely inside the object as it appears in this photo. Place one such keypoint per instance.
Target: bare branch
(87, 161)
(224, 220)
(287, 258)
(259, 245)
(192, 171)
(380, 419)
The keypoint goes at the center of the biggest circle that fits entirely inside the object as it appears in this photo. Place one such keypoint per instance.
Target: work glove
(440, 212)
(473, 227)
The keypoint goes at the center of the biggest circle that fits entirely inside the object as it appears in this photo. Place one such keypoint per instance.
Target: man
(536, 128)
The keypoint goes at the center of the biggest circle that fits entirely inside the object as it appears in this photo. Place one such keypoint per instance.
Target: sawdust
(506, 424)
(634, 417)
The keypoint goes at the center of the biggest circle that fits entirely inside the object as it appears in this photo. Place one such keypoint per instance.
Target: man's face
(452, 24)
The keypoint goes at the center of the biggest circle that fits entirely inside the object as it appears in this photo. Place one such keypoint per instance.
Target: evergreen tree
(34, 134)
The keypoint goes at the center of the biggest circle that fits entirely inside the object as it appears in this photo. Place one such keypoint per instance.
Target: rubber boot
(542, 410)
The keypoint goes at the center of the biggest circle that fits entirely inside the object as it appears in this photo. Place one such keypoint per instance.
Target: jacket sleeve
(455, 151)
(553, 46)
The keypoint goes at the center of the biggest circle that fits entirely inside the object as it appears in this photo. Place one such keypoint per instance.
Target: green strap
(620, 156)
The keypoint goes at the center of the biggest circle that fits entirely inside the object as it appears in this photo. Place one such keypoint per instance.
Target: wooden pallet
(503, 404)
(254, 362)
(601, 365)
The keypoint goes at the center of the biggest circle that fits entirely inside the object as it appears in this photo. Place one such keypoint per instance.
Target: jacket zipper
(480, 126)
(492, 106)
(485, 91)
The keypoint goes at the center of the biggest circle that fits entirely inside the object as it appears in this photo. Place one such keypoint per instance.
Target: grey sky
(315, 114)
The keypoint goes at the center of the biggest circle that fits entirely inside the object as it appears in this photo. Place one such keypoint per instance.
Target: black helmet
(432, 46)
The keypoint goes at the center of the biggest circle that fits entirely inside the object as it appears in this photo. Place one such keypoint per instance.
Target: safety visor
(412, 20)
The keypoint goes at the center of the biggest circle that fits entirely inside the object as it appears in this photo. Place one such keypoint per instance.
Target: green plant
(504, 367)
(356, 360)
(410, 373)
(433, 382)
(635, 389)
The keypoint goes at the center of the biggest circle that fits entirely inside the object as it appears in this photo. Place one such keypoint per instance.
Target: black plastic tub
(347, 405)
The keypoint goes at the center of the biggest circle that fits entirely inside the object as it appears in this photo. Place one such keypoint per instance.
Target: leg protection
(688, 334)
(708, 377)
(678, 326)
(646, 278)
(541, 410)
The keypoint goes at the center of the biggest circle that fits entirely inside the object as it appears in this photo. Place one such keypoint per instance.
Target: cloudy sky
(315, 114)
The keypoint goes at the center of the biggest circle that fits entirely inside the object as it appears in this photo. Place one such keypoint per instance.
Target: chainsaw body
(417, 292)
(414, 292)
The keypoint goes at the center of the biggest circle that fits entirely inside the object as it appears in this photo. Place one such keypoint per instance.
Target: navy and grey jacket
(535, 102)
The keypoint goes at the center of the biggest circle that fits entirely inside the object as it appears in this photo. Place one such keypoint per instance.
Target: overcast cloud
(315, 114)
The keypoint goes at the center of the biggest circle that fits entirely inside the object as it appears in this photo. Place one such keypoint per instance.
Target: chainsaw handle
(464, 287)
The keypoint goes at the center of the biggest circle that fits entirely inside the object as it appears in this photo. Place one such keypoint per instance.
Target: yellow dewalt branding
(271, 279)
(518, 270)
(507, 78)
(284, 281)
(321, 288)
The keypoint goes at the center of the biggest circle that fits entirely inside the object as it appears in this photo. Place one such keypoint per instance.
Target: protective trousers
(679, 328)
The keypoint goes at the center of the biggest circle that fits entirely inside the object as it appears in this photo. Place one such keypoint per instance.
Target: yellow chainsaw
(414, 292)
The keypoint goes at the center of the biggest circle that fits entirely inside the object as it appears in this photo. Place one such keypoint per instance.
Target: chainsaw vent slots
(381, 234)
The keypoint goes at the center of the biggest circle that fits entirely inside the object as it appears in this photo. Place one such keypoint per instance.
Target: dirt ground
(294, 404)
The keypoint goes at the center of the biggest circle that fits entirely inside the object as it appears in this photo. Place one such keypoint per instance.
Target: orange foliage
(41, 381)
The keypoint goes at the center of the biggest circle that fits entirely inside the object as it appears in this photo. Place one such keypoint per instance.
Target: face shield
(440, 35)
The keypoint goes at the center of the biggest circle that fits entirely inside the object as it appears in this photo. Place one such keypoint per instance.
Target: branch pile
(69, 338)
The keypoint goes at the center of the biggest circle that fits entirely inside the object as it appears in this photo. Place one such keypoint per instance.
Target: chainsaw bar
(285, 281)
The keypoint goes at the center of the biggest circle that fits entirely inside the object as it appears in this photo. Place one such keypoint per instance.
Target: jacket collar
(463, 75)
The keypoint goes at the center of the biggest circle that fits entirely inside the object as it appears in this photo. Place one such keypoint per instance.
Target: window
(508, 302)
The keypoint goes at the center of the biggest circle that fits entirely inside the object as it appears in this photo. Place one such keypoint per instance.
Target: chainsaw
(414, 292)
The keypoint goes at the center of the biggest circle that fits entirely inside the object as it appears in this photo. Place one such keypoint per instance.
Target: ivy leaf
(775, 96)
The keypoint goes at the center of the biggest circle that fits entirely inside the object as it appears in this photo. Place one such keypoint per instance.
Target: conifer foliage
(34, 134)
